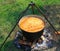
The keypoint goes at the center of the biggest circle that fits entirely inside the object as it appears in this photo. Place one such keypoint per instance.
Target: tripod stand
(22, 13)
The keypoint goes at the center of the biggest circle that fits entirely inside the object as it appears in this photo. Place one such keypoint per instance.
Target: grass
(9, 12)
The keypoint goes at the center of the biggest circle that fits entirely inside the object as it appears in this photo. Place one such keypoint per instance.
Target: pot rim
(37, 16)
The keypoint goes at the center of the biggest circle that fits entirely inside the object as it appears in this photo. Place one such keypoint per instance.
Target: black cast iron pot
(32, 36)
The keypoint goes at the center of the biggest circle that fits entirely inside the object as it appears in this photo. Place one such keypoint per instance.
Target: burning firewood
(57, 33)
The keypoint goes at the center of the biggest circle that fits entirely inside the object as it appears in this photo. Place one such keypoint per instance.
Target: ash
(46, 41)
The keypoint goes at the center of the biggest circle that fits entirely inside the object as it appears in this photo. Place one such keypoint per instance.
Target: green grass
(9, 12)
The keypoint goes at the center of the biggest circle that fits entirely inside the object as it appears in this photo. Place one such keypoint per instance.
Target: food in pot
(31, 24)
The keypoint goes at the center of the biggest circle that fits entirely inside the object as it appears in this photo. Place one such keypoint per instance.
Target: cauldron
(31, 35)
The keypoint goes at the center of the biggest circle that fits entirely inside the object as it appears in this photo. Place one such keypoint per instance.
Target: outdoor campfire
(33, 34)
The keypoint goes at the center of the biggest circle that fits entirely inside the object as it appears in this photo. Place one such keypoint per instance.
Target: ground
(10, 10)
